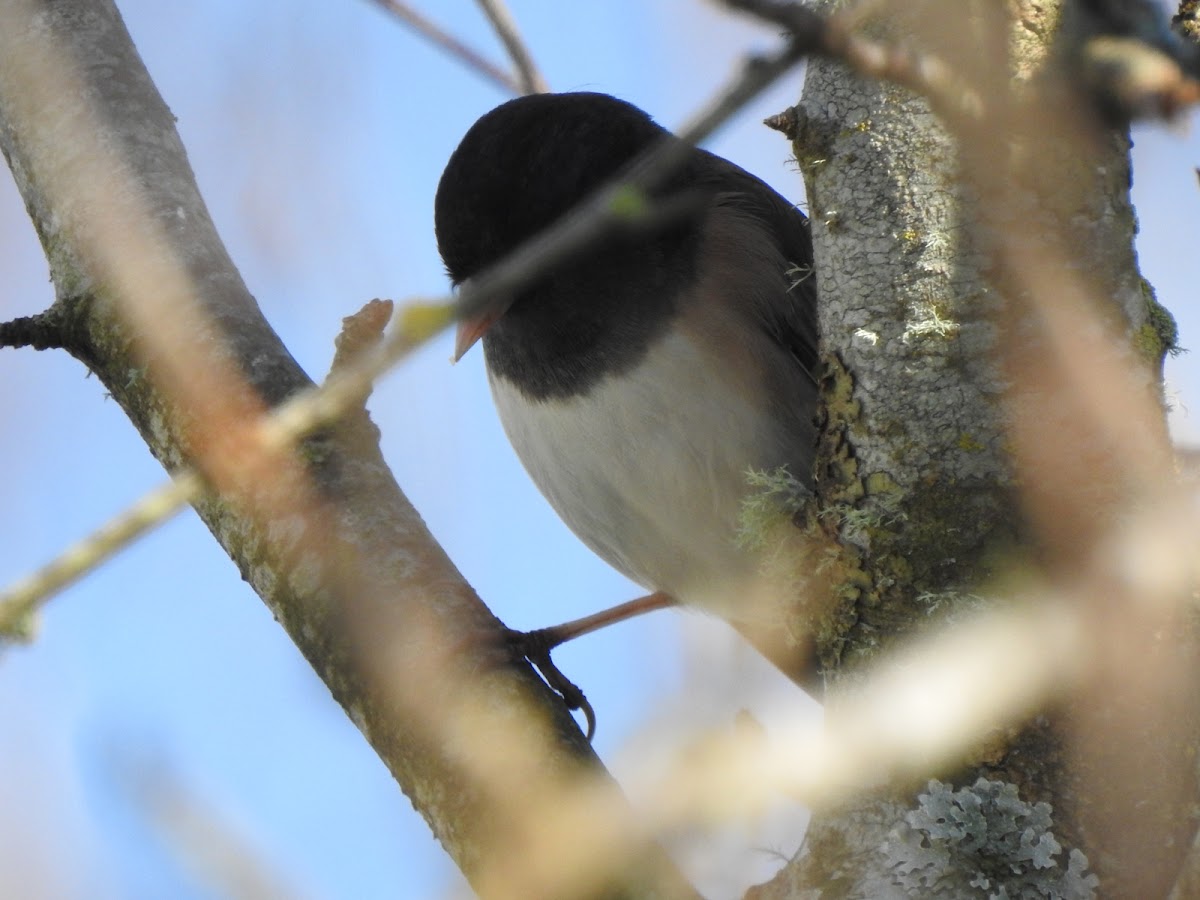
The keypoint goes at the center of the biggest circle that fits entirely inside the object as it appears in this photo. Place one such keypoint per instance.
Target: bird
(640, 381)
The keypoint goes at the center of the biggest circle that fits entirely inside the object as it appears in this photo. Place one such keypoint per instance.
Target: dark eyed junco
(640, 382)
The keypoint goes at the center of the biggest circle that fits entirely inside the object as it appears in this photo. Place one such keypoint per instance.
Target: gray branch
(324, 535)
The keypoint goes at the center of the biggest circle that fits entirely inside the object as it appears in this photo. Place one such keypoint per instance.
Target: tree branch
(19, 602)
(434, 33)
(41, 332)
(310, 408)
(323, 534)
(982, 316)
(502, 21)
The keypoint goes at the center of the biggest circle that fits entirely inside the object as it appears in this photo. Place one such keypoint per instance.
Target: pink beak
(471, 328)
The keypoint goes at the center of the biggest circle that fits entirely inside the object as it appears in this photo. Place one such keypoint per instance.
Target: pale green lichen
(1159, 337)
(928, 322)
(774, 499)
(136, 378)
(882, 510)
(981, 841)
(871, 337)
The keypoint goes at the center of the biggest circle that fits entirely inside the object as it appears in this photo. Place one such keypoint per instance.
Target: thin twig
(42, 331)
(22, 599)
(452, 45)
(415, 324)
(505, 26)
(838, 37)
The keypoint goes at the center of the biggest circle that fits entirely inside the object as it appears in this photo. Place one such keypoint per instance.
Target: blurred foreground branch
(418, 321)
(437, 35)
(158, 312)
(991, 429)
(993, 419)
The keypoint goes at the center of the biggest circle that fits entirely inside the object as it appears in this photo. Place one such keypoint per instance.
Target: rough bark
(947, 407)
(954, 456)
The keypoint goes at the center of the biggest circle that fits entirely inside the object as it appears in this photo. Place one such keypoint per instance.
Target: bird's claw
(536, 646)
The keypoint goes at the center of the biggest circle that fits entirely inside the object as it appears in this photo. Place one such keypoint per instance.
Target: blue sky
(318, 131)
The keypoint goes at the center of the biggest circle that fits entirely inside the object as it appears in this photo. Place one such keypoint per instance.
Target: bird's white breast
(648, 469)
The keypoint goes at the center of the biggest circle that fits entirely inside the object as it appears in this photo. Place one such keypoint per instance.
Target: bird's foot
(536, 647)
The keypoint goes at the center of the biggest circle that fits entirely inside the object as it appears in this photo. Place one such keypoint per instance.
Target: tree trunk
(991, 432)
(959, 461)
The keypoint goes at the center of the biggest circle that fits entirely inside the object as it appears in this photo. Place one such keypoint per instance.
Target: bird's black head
(525, 164)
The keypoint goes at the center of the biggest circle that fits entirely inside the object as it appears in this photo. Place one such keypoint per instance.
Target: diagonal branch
(505, 26)
(434, 33)
(322, 533)
(311, 408)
